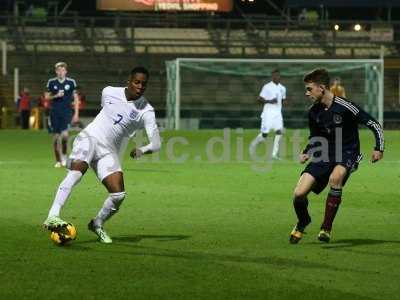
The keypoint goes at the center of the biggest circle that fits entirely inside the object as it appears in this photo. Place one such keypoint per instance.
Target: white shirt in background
(271, 91)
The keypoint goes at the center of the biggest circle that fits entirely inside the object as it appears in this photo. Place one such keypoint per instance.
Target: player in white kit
(124, 111)
(272, 95)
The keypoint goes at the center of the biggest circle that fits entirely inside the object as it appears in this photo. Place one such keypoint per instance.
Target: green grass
(197, 229)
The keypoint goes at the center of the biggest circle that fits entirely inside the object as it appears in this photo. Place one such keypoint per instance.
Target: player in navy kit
(61, 92)
(334, 150)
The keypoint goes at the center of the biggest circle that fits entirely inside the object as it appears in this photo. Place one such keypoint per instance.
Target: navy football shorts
(60, 121)
(322, 170)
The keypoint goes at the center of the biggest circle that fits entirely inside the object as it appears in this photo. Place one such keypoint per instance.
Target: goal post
(217, 89)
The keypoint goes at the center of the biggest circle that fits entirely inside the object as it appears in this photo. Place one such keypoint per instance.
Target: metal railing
(232, 47)
(198, 20)
(221, 33)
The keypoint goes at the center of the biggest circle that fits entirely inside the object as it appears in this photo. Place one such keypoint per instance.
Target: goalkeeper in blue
(124, 111)
(333, 151)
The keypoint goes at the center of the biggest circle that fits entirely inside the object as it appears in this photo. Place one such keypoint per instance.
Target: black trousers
(25, 114)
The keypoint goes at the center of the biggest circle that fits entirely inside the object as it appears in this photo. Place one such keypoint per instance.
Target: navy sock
(300, 205)
(64, 144)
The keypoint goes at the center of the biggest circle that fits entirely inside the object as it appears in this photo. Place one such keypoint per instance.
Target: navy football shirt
(68, 85)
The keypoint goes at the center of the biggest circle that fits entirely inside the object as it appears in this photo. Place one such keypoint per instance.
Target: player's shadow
(350, 245)
(206, 256)
(347, 243)
(140, 237)
(125, 239)
(148, 170)
(129, 245)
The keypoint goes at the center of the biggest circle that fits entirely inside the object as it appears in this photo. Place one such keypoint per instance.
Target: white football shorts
(271, 122)
(100, 158)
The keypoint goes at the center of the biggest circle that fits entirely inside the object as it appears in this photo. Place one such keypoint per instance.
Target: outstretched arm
(376, 128)
(153, 135)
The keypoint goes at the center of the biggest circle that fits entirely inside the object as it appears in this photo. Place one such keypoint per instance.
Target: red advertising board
(165, 5)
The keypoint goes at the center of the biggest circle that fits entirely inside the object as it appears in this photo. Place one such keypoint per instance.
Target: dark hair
(141, 70)
(275, 71)
(318, 76)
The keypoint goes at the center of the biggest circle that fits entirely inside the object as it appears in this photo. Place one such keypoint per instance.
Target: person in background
(44, 107)
(272, 95)
(302, 17)
(24, 107)
(337, 89)
(61, 93)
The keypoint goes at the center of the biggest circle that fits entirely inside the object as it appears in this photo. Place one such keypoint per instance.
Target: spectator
(24, 107)
(44, 106)
(337, 89)
(302, 15)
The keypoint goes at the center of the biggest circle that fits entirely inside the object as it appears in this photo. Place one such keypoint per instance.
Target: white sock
(275, 150)
(63, 192)
(105, 213)
(110, 207)
(253, 145)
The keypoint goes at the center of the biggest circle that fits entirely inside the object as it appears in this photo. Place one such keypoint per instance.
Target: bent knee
(56, 137)
(77, 165)
(300, 192)
(117, 198)
(335, 180)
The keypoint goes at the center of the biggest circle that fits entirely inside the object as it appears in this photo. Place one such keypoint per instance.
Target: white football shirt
(270, 91)
(120, 119)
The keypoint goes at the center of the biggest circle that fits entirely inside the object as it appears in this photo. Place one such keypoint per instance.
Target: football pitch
(198, 223)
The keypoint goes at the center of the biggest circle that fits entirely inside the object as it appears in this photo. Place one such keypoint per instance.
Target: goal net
(217, 93)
